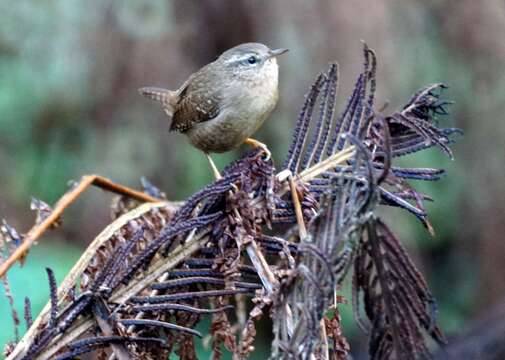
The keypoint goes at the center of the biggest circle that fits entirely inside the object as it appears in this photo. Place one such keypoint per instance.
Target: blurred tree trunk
(469, 29)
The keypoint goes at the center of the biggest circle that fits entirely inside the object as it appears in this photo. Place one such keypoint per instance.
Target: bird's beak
(276, 52)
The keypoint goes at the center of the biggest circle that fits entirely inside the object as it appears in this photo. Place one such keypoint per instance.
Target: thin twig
(302, 229)
(102, 317)
(86, 181)
(312, 172)
(259, 262)
(327, 164)
(324, 339)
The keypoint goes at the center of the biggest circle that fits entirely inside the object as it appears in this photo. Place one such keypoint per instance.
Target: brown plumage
(226, 101)
(194, 102)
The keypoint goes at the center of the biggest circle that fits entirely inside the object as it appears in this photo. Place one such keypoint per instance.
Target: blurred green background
(69, 73)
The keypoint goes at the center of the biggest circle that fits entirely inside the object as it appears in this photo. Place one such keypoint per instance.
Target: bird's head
(251, 61)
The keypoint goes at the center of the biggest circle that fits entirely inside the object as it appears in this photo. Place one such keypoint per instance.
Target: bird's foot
(257, 144)
(215, 171)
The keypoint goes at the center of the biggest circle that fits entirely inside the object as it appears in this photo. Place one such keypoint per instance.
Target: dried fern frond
(396, 298)
(147, 280)
(341, 233)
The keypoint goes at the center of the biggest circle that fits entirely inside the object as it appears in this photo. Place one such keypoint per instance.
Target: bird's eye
(252, 60)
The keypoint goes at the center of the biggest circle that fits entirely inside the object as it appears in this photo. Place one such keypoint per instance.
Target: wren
(221, 105)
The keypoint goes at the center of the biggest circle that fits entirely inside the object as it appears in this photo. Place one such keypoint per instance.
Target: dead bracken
(150, 277)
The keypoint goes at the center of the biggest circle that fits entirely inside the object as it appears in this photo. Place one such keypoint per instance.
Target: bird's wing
(198, 100)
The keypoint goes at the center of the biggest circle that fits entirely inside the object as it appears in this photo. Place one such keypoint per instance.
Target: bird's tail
(167, 98)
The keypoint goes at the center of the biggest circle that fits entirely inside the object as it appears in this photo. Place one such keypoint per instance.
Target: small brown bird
(221, 105)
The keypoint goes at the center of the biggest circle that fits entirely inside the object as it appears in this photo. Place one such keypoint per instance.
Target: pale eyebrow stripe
(238, 58)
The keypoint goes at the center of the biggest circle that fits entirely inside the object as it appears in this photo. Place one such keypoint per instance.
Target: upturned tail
(167, 98)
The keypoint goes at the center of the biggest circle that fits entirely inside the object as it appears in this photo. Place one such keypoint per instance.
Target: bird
(221, 106)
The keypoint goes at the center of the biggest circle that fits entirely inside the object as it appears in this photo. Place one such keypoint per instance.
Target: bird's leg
(257, 144)
(217, 175)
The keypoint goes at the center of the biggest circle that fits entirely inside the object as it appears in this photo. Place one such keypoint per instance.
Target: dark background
(69, 73)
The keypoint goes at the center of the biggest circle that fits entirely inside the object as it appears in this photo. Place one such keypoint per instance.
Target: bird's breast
(253, 97)
(246, 103)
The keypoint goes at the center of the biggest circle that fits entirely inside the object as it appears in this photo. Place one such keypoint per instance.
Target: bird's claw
(257, 144)
(268, 154)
